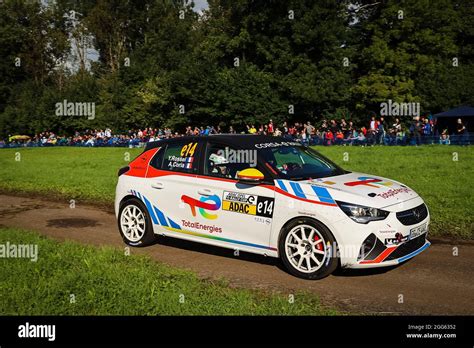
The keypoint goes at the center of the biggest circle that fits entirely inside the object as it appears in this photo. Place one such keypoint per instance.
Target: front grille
(413, 216)
(407, 248)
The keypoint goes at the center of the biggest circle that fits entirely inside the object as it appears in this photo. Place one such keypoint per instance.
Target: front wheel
(135, 224)
(308, 249)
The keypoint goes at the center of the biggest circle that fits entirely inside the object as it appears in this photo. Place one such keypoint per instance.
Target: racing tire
(135, 224)
(308, 249)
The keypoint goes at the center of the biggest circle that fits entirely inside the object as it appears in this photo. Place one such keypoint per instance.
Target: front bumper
(388, 242)
(388, 256)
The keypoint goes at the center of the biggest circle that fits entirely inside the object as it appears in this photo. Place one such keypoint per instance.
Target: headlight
(362, 214)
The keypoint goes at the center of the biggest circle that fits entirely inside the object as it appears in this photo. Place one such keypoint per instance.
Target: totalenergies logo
(368, 181)
(203, 204)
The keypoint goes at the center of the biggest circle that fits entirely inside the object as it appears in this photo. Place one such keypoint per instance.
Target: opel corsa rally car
(269, 196)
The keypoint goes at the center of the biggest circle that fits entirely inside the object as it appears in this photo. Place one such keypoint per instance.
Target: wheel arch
(303, 217)
(126, 199)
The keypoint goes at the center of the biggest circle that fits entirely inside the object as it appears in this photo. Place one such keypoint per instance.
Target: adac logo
(368, 181)
(203, 205)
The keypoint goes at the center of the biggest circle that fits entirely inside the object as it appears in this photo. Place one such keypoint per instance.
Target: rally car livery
(270, 196)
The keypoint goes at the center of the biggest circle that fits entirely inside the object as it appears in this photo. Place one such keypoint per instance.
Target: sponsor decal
(368, 181)
(203, 205)
(276, 144)
(198, 226)
(160, 218)
(247, 204)
(322, 181)
(188, 150)
(180, 162)
(399, 238)
(387, 231)
(185, 160)
(393, 192)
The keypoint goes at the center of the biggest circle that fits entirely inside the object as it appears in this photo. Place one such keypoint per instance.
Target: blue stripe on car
(297, 189)
(150, 210)
(161, 216)
(323, 194)
(282, 185)
(174, 224)
(416, 252)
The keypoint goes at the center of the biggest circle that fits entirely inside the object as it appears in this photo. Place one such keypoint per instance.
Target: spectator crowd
(378, 131)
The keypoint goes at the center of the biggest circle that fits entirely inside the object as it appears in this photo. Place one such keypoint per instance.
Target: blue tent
(461, 111)
(448, 119)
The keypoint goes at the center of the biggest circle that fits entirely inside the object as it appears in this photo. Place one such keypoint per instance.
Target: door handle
(205, 192)
(158, 185)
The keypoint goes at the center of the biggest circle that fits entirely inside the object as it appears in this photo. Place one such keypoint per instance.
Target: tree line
(159, 63)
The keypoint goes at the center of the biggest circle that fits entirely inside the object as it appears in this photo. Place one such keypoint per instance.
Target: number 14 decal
(188, 150)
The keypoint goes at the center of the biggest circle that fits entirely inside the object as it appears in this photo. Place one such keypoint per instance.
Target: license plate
(418, 231)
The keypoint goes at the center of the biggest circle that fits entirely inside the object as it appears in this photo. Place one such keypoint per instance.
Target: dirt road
(435, 282)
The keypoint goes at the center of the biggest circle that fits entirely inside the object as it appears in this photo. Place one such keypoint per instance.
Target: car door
(171, 175)
(241, 213)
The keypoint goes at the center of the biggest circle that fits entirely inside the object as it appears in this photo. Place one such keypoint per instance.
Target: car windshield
(299, 163)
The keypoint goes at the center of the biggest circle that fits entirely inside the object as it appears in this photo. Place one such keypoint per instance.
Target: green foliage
(241, 62)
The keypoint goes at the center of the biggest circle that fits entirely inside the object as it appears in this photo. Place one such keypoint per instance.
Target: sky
(200, 5)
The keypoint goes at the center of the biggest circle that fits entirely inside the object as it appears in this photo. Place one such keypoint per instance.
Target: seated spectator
(329, 138)
(444, 138)
(361, 139)
(339, 137)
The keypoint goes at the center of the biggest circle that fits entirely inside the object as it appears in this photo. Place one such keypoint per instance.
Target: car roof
(239, 140)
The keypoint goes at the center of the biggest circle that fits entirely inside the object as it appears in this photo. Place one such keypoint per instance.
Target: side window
(225, 162)
(180, 157)
(157, 160)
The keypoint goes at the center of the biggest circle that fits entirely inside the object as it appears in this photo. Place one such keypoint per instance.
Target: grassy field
(106, 282)
(90, 174)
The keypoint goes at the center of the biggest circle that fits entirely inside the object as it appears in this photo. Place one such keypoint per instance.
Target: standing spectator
(350, 129)
(285, 128)
(427, 132)
(417, 130)
(309, 130)
(381, 131)
(460, 132)
(334, 127)
(343, 127)
(373, 124)
(270, 128)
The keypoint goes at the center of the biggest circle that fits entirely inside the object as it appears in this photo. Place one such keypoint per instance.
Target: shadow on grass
(218, 251)
(271, 261)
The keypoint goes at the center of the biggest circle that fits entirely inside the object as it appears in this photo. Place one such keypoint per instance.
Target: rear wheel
(308, 249)
(135, 224)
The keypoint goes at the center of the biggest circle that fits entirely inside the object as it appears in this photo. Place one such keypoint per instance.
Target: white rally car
(269, 196)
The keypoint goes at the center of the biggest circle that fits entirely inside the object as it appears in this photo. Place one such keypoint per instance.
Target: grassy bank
(90, 173)
(106, 282)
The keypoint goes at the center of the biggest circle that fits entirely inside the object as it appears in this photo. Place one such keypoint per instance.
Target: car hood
(360, 188)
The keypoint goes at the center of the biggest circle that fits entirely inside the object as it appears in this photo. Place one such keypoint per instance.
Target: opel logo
(416, 213)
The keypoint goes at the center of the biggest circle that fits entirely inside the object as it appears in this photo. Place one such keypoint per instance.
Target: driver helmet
(218, 160)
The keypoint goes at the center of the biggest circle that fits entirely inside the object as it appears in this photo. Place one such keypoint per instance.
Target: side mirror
(250, 176)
